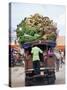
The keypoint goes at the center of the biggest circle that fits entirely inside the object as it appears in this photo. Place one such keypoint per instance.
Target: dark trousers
(57, 64)
(62, 62)
(36, 67)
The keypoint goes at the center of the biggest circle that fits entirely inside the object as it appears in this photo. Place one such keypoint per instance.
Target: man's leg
(57, 64)
(35, 67)
(38, 67)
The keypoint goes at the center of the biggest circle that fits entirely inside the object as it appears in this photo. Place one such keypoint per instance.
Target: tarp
(26, 45)
(47, 43)
(52, 44)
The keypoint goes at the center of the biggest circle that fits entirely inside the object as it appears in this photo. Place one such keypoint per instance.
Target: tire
(51, 80)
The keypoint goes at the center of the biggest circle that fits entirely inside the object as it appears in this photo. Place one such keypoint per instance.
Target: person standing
(36, 59)
(45, 55)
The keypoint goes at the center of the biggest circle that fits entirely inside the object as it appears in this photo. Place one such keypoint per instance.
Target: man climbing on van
(36, 59)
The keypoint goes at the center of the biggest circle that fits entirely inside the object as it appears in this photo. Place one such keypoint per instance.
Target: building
(60, 42)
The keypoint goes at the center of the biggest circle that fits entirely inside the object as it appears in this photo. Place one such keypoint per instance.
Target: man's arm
(40, 50)
(32, 51)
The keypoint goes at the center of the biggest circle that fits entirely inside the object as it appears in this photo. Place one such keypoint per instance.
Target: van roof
(40, 42)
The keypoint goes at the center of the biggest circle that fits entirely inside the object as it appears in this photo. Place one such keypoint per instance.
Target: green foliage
(34, 28)
(51, 36)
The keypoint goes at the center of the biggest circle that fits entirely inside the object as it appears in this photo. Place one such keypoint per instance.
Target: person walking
(58, 57)
(62, 57)
(36, 59)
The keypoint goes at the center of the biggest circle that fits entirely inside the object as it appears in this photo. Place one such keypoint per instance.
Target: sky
(21, 10)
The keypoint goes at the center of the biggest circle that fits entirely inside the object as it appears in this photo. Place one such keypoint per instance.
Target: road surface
(18, 76)
(60, 76)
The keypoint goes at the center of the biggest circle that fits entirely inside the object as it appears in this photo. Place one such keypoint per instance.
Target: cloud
(61, 19)
(61, 24)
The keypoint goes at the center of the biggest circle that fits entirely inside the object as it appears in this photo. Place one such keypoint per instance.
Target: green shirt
(35, 51)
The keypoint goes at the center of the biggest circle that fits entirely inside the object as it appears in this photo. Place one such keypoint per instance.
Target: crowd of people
(17, 56)
(60, 58)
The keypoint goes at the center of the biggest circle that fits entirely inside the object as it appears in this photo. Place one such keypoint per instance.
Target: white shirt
(57, 54)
